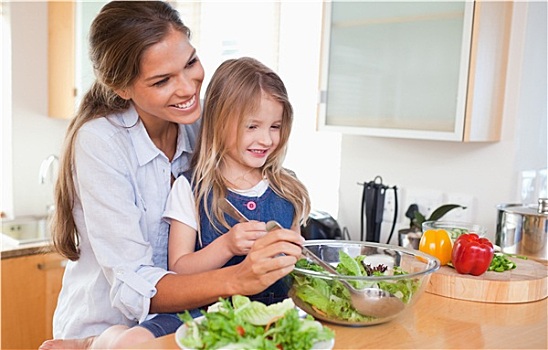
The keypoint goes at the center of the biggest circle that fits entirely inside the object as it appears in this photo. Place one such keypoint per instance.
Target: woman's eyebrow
(163, 75)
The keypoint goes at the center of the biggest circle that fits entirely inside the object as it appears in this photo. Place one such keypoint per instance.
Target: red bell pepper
(472, 254)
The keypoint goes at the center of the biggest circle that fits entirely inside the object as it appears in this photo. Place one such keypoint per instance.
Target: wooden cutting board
(527, 282)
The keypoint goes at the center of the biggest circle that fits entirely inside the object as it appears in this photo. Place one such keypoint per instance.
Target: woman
(133, 135)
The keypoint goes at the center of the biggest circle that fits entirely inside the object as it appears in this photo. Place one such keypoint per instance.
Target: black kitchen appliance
(321, 225)
(372, 209)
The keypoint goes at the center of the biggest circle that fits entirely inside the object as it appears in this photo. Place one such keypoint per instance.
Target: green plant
(417, 218)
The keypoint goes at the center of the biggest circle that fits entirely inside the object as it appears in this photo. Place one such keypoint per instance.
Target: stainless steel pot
(409, 238)
(523, 229)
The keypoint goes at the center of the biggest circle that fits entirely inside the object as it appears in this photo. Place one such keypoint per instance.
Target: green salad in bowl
(402, 272)
(246, 324)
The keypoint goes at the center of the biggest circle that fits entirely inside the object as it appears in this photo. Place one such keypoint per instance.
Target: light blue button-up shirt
(122, 183)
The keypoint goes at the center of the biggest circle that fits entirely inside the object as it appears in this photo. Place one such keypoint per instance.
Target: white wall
(6, 196)
(489, 172)
(35, 135)
(314, 156)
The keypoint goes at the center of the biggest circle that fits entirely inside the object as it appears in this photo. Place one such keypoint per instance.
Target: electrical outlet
(426, 200)
(526, 188)
(390, 207)
(542, 184)
(12, 228)
(459, 214)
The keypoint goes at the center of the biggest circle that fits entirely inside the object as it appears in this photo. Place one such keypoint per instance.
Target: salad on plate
(246, 324)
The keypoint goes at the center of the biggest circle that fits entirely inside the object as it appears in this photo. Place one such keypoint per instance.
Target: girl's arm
(182, 239)
(180, 211)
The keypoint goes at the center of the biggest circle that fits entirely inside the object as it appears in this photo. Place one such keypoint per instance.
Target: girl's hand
(241, 237)
(271, 257)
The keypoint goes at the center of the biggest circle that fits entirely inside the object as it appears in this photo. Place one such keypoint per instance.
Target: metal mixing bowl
(321, 295)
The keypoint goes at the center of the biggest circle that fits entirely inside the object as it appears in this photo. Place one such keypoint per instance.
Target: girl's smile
(249, 150)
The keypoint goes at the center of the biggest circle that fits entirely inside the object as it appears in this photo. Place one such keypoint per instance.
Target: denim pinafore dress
(268, 206)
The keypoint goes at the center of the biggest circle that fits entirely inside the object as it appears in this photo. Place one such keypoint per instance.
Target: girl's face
(258, 140)
(168, 88)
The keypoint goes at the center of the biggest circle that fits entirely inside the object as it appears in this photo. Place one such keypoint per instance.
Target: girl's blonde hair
(119, 36)
(234, 93)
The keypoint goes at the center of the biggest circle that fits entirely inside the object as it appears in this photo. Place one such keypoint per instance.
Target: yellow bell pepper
(438, 244)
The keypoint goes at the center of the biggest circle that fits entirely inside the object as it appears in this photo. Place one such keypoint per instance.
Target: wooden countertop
(438, 322)
(8, 250)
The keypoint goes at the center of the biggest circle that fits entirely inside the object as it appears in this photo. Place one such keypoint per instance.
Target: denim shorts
(163, 324)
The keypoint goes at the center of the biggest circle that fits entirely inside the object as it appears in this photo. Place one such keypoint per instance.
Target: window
(221, 31)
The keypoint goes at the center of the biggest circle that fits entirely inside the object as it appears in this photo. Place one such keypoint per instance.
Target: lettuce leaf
(258, 313)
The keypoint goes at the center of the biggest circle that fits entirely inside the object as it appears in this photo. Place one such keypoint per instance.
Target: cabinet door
(70, 73)
(30, 286)
(61, 53)
(399, 69)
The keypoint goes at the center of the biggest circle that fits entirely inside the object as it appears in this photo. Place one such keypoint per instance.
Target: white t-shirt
(180, 202)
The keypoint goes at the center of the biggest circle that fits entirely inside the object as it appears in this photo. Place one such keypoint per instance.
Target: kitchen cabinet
(421, 70)
(30, 286)
(61, 53)
(69, 70)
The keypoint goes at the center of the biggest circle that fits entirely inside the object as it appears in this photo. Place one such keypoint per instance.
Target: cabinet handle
(52, 265)
(323, 96)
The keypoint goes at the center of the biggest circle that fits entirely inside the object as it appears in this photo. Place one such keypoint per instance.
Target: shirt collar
(183, 142)
(145, 149)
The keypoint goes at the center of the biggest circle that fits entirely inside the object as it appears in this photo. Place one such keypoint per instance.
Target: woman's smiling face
(168, 87)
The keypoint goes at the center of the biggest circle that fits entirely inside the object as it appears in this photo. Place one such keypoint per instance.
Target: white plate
(181, 333)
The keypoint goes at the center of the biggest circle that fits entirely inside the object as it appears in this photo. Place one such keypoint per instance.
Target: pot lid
(538, 210)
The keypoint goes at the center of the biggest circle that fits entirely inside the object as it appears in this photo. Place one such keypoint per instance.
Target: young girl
(240, 151)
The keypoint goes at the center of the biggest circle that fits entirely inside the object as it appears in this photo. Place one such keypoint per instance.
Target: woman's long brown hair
(119, 36)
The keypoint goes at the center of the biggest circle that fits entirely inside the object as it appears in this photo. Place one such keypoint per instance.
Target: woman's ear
(123, 93)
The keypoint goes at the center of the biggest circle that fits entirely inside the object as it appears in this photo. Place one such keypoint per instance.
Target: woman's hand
(271, 257)
(241, 237)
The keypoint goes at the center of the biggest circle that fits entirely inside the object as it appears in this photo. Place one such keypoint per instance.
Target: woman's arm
(263, 266)
(117, 216)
